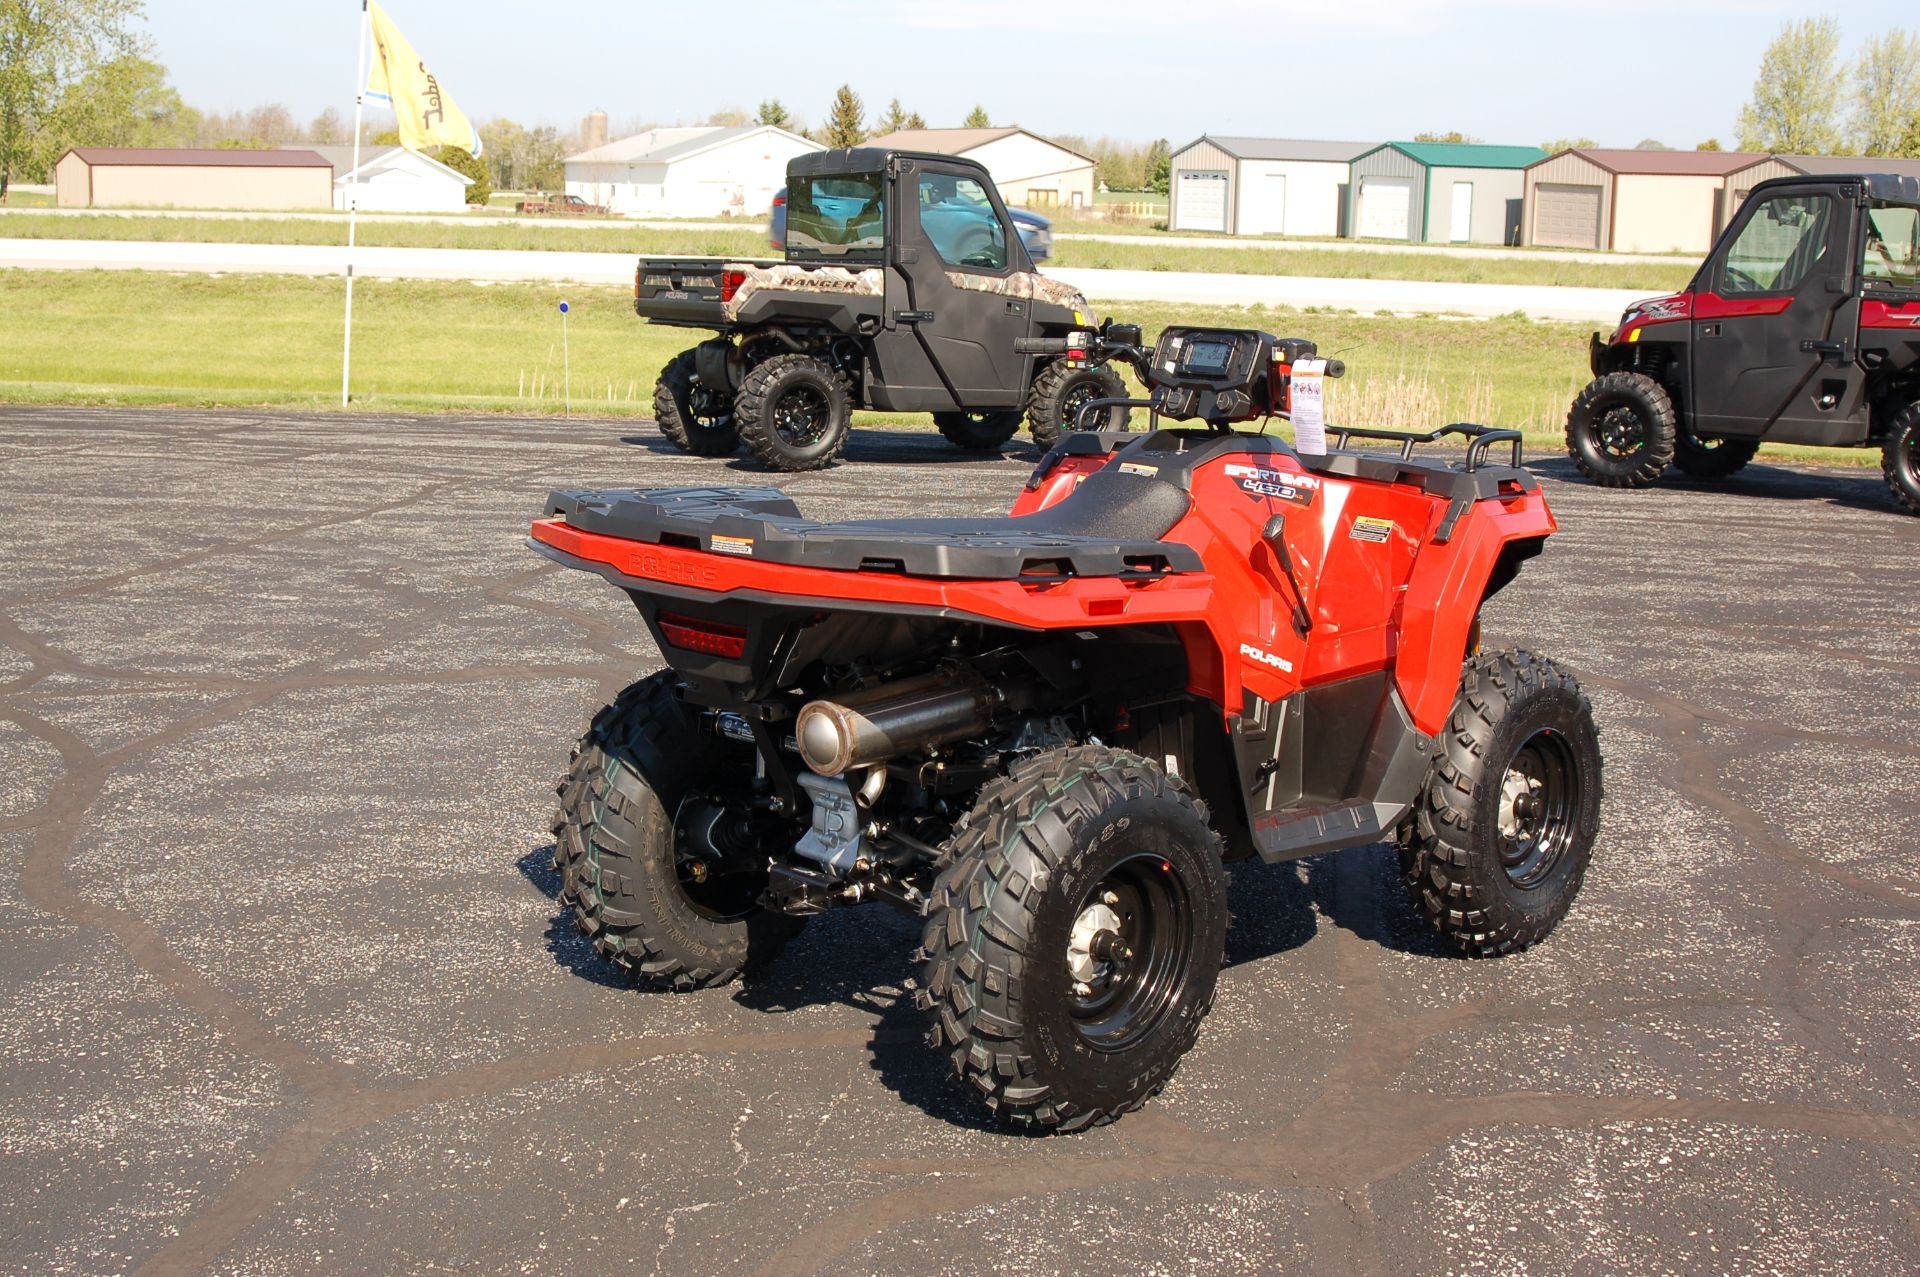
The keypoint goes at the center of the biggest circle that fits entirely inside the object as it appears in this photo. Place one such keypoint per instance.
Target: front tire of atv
(978, 431)
(1900, 459)
(1711, 458)
(1621, 430)
(1501, 835)
(1059, 392)
(614, 846)
(794, 412)
(1075, 937)
(697, 419)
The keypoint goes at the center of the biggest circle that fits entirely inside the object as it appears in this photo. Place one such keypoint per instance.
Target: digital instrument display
(1208, 357)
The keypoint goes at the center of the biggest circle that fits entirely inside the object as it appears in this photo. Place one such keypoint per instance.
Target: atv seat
(1111, 525)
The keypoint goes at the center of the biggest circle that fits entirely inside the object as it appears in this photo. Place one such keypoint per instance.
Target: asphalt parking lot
(284, 987)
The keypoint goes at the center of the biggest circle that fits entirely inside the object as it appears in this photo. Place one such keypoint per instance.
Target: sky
(1511, 71)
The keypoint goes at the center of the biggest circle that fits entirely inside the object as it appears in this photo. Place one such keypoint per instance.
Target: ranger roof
(867, 159)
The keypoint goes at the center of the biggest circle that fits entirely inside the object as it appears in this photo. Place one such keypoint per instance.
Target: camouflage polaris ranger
(904, 289)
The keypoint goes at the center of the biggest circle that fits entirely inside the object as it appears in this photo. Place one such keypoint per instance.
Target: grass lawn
(749, 241)
(17, 198)
(128, 337)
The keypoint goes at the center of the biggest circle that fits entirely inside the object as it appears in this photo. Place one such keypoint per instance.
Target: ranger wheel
(1711, 458)
(1059, 391)
(978, 431)
(649, 910)
(693, 416)
(1900, 459)
(1620, 430)
(1499, 839)
(1073, 941)
(794, 412)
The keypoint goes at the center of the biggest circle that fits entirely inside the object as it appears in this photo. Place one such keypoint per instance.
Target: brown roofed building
(137, 177)
(1632, 201)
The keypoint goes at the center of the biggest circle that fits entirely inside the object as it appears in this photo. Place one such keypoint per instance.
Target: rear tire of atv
(794, 412)
(1900, 459)
(1500, 838)
(694, 417)
(1053, 405)
(1621, 431)
(978, 431)
(614, 849)
(1711, 458)
(1074, 939)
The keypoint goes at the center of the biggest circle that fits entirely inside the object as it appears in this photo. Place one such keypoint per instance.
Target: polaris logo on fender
(1253, 653)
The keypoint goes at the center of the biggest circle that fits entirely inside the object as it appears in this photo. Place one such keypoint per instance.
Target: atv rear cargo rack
(1481, 439)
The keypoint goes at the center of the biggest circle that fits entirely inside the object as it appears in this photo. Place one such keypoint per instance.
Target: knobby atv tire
(1711, 458)
(1900, 459)
(614, 847)
(1058, 390)
(678, 410)
(1651, 419)
(1000, 917)
(1451, 844)
(978, 431)
(770, 390)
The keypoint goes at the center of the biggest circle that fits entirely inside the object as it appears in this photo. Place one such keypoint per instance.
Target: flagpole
(353, 196)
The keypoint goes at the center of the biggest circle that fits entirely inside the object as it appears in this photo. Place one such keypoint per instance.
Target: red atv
(1045, 733)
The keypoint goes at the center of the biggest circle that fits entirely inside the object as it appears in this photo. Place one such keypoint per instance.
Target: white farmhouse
(1029, 170)
(392, 179)
(693, 172)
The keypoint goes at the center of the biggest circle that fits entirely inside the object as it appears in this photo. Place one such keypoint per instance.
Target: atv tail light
(703, 636)
(730, 282)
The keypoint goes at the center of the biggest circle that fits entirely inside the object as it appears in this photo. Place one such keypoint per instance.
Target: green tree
(845, 121)
(1651, 144)
(327, 128)
(1560, 144)
(1908, 147)
(1886, 91)
(977, 118)
(45, 46)
(772, 112)
(125, 102)
(504, 142)
(731, 117)
(466, 164)
(1159, 166)
(1796, 97)
(1711, 144)
(893, 121)
(914, 120)
(1452, 135)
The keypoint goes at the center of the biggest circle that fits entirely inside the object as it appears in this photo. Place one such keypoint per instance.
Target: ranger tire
(1621, 431)
(794, 412)
(1053, 405)
(1075, 937)
(978, 431)
(1500, 838)
(614, 848)
(697, 419)
(1900, 459)
(1711, 458)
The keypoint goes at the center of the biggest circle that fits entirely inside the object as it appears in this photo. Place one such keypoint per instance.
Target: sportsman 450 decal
(1266, 482)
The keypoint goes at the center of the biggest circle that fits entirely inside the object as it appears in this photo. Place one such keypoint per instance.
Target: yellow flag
(426, 115)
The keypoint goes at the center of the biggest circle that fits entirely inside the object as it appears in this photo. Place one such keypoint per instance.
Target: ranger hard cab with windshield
(904, 288)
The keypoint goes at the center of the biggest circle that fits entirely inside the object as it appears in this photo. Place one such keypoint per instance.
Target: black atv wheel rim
(1129, 952)
(1620, 432)
(718, 890)
(800, 416)
(1907, 461)
(708, 410)
(1536, 808)
(1074, 400)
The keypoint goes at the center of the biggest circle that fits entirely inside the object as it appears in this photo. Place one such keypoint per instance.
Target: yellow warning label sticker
(731, 545)
(1371, 529)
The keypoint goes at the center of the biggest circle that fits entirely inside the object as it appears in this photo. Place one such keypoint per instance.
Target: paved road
(1117, 237)
(1587, 305)
(284, 987)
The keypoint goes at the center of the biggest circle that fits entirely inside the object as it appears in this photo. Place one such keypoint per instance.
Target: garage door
(1386, 207)
(1566, 216)
(1202, 199)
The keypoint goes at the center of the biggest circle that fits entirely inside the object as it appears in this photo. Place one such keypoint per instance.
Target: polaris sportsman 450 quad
(1045, 733)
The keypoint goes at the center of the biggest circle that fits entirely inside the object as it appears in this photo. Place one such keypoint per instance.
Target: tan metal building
(1260, 185)
(1632, 201)
(137, 177)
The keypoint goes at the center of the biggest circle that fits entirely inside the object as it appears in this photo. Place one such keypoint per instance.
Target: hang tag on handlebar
(1307, 407)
